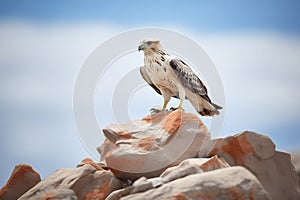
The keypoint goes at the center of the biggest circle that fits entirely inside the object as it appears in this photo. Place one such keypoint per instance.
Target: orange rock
(213, 164)
(204, 164)
(204, 196)
(21, 180)
(235, 193)
(257, 153)
(156, 118)
(236, 147)
(88, 161)
(179, 196)
(148, 146)
(86, 182)
(176, 119)
(47, 196)
(146, 143)
(147, 119)
(99, 193)
(123, 134)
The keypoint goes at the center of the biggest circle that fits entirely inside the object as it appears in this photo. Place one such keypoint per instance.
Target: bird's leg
(179, 106)
(181, 95)
(165, 105)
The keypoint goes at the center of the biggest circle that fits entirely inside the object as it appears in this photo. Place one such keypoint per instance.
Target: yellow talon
(154, 110)
(179, 106)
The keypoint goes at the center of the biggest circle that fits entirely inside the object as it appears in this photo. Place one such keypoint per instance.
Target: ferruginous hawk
(172, 77)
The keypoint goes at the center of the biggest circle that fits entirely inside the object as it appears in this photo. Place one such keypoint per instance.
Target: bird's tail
(216, 106)
(204, 107)
(206, 112)
(210, 109)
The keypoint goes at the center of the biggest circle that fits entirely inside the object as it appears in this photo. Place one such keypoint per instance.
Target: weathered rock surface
(147, 147)
(226, 184)
(21, 180)
(185, 168)
(88, 161)
(203, 164)
(54, 194)
(141, 185)
(257, 153)
(296, 161)
(86, 181)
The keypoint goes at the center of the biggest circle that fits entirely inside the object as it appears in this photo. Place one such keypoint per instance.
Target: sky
(255, 46)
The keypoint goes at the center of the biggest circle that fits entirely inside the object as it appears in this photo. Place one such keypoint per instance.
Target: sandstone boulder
(147, 147)
(185, 168)
(226, 184)
(21, 180)
(257, 153)
(87, 182)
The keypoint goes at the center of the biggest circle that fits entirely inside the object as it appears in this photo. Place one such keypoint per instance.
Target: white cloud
(38, 68)
(260, 74)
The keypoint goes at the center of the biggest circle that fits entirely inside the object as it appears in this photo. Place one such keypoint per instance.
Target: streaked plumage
(172, 77)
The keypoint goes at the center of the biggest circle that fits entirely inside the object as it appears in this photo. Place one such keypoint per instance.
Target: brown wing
(148, 80)
(188, 78)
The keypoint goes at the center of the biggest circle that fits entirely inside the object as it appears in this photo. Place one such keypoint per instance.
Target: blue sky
(255, 46)
(215, 16)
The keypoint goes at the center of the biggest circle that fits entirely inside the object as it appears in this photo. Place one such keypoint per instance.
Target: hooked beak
(141, 47)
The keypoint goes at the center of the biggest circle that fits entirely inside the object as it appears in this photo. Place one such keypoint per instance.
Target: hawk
(172, 77)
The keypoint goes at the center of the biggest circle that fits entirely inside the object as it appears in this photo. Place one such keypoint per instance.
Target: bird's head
(150, 45)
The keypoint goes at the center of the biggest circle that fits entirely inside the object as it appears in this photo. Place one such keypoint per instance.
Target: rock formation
(168, 155)
(185, 168)
(21, 180)
(147, 147)
(257, 153)
(87, 182)
(226, 184)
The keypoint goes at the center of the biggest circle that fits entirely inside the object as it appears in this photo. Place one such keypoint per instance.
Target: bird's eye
(149, 43)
